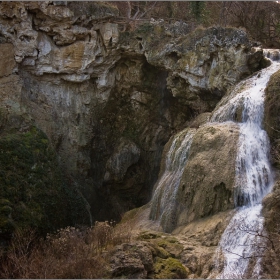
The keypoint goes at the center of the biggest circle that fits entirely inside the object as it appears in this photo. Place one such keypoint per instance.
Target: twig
(243, 256)
(271, 127)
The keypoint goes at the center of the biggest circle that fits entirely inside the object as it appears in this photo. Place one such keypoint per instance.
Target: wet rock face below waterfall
(88, 86)
(208, 177)
(206, 183)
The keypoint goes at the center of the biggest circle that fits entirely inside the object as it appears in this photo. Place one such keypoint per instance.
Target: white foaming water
(239, 243)
(163, 207)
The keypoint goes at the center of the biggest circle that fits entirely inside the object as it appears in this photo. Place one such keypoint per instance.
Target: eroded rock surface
(209, 175)
(271, 116)
(204, 174)
(87, 85)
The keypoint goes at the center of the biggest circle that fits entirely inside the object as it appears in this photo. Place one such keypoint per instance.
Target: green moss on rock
(164, 246)
(169, 268)
(146, 235)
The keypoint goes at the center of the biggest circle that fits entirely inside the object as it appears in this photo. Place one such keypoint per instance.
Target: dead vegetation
(69, 253)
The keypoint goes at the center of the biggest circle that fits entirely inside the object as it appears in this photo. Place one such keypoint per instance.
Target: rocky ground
(198, 240)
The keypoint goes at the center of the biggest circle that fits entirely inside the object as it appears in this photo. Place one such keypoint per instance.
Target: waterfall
(164, 206)
(240, 247)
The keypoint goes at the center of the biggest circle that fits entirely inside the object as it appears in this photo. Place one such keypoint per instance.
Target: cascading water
(240, 247)
(163, 206)
(240, 244)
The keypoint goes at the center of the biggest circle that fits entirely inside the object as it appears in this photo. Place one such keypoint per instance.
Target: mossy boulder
(166, 251)
(169, 268)
(131, 260)
(153, 255)
(163, 246)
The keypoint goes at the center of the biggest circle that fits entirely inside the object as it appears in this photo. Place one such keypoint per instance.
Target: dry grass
(70, 253)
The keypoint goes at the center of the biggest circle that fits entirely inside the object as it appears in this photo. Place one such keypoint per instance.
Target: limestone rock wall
(103, 96)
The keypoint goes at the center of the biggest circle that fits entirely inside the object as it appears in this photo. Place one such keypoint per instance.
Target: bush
(69, 253)
(32, 188)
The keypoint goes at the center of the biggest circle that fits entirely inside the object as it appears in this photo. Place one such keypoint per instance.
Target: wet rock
(206, 178)
(209, 175)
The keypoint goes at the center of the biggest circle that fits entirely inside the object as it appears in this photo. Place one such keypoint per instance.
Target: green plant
(32, 186)
(145, 28)
(196, 8)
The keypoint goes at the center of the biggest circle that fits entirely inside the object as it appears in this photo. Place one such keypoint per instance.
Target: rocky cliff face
(271, 202)
(109, 100)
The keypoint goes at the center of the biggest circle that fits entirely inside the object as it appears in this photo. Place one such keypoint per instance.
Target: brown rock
(208, 178)
(10, 89)
(7, 60)
(272, 117)
(133, 260)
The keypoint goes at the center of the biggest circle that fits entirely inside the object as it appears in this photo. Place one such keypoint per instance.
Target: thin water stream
(163, 206)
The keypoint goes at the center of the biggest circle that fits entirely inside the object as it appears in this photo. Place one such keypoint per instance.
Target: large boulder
(209, 175)
(152, 256)
(207, 179)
